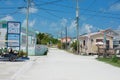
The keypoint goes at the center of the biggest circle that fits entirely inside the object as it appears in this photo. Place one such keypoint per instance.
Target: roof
(117, 31)
(67, 37)
(100, 32)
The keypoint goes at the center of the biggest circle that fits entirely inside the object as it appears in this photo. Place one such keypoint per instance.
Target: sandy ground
(61, 65)
(10, 70)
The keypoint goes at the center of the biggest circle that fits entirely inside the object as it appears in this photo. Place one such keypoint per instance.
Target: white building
(31, 38)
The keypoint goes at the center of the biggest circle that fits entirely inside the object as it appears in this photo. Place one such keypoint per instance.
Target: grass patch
(113, 61)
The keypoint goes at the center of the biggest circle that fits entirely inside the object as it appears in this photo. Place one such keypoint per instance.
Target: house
(89, 43)
(66, 40)
(116, 40)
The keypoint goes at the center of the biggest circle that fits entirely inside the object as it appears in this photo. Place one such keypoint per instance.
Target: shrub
(115, 59)
(59, 45)
(22, 53)
(74, 46)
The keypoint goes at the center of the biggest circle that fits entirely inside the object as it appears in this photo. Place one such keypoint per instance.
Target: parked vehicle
(11, 55)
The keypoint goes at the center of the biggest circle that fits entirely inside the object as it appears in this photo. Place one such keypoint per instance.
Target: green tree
(74, 46)
(45, 38)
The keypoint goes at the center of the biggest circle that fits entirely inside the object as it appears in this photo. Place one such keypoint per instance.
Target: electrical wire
(104, 12)
(90, 7)
(59, 17)
(50, 2)
(94, 15)
(53, 10)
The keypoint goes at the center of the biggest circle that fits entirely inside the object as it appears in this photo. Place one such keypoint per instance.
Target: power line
(84, 9)
(98, 11)
(64, 11)
(12, 13)
(102, 16)
(91, 4)
(53, 10)
(87, 9)
(52, 14)
(54, 3)
(8, 7)
(115, 2)
(104, 12)
(50, 2)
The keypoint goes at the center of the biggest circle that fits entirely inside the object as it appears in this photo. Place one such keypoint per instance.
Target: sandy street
(61, 65)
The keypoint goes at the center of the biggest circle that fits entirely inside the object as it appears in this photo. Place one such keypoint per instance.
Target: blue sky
(52, 16)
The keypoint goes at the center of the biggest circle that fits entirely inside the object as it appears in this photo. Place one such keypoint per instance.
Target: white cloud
(7, 18)
(53, 25)
(72, 26)
(86, 28)
(31, 23)
(83, 18)
(24, 23)
(115, 7)
(31, 10)
(44, 23)
(64, 22)
(119, 27)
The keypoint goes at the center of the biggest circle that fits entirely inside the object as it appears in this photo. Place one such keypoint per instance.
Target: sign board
(14, 40)
(13, 34)
(14, 27)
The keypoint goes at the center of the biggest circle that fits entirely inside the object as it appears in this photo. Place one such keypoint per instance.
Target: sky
(52, 16)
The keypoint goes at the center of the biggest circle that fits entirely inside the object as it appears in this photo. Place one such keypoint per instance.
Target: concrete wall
(2, 37)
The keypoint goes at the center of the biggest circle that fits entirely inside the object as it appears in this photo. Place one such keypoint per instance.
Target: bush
(1, 52)
(59, 45)
(74, 46)
(22, 53)
(115, 59)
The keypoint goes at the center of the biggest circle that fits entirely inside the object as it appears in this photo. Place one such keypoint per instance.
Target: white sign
(14, 40)
(14, 27)
(13, 34)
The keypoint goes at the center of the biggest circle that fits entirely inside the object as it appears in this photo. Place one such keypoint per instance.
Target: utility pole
(66, 36)
(61, 39)
(77, 26)
(27, 24)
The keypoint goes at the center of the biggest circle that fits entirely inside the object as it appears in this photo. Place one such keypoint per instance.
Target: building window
(84, 42)
(99, 40)
(119, 41)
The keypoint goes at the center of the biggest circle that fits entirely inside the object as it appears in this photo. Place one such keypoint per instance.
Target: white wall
(2, 37)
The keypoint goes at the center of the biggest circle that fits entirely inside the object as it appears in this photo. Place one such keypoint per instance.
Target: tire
(12, 58)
